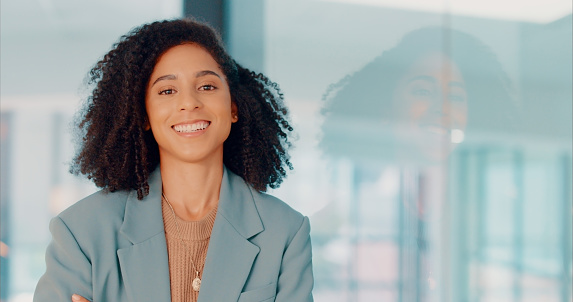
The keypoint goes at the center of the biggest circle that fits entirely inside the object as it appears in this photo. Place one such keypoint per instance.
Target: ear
(234, 112)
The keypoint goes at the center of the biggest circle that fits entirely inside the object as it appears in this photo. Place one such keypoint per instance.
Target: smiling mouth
(190, 128)
(436, 129)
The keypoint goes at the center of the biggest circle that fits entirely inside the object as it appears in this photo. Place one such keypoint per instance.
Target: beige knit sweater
(186, 245)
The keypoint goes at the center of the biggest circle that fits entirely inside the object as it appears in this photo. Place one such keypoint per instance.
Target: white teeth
(187, 128)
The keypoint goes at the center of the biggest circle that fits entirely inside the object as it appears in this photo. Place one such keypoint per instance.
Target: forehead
(436, 65)
(185, 57)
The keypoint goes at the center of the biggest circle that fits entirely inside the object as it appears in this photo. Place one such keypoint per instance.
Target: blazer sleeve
(295, 279)
(68, 270)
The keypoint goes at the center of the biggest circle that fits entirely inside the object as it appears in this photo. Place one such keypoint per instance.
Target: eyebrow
(199, 74)
(165, 77)
(203, 73)
(422, 77)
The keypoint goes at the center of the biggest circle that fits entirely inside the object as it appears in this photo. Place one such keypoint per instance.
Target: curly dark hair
(117, 153)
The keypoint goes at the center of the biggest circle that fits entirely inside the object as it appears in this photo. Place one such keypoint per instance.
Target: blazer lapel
(145, 265)
(230, 254)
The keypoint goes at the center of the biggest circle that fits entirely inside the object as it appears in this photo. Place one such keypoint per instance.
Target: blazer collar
(147, 256)
(230, 255)
(143, 218)
(237, 205)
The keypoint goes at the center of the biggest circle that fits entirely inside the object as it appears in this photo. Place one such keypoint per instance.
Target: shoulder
(97, 205)
(270, 205)
(95, 213)
(277, 215)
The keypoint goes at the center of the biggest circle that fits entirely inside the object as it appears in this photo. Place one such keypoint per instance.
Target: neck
(192, 188)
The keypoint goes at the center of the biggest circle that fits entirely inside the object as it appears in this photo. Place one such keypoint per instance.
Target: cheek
(460, 110)
(151, 115)
(417, 109)
(459, 114)
(409, 106)
(156, 112)
(225, 107)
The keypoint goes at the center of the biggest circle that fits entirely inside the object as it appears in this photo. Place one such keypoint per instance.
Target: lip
(440, 130)
(190, 122)
(435, 128)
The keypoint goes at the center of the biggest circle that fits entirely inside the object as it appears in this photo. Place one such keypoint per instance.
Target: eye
(167, 91)
(207, 87)
(456, 98)
(422, 92)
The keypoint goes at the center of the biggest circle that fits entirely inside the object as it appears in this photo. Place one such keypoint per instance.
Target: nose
(189, 101)
(446, 105)
(441, 107)
(440, 103)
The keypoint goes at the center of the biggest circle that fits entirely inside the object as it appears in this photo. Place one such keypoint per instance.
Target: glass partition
(434, 148)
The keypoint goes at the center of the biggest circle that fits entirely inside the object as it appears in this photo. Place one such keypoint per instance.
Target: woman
(421, 98)
(414, 105)
(183, 141)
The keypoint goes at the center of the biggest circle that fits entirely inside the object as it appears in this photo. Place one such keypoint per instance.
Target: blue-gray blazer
(111, 247)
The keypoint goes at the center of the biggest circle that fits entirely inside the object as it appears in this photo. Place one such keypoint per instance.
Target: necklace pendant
(196, 284)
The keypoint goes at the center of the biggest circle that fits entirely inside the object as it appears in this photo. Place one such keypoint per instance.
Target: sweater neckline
(187, 230)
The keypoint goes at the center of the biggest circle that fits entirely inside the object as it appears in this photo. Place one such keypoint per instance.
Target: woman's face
(189, 105)
(430, 101)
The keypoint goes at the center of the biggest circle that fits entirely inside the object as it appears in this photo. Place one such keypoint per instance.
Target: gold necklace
(196, 284)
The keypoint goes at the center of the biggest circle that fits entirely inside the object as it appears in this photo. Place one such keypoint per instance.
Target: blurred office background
(434, 150)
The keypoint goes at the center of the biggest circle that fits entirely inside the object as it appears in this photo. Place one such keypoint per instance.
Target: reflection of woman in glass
(402, 115)
(420, 95)
(183, 140)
